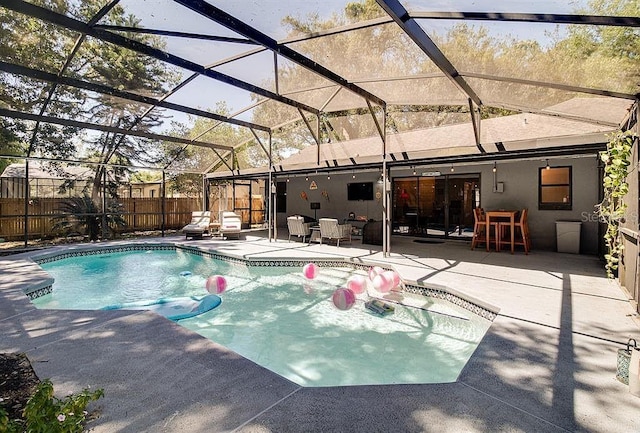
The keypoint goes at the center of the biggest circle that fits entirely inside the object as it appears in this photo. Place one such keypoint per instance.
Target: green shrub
(45, 413)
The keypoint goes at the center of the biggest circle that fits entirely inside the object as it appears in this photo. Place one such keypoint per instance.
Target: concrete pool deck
(547, 364)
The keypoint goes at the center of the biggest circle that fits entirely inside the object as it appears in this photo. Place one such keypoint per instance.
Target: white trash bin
(568, 236)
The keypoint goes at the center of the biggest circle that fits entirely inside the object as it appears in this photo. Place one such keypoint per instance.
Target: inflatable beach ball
(383, 282)
(375, 270)
(394, 277)
(343, 298)
(357, 284)
(216, 284)
(310, 271)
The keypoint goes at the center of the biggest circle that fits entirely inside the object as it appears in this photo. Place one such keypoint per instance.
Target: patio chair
(521, 231)
(330, 229)
(198, 226)
(230, 224)
(480, 227)
(297, 227)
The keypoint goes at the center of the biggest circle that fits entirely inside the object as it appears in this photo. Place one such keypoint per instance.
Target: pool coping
(475, 306)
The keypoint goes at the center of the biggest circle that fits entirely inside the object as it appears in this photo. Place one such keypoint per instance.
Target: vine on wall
(617, 160)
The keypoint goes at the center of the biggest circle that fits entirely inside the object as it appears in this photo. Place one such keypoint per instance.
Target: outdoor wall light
(452, 169)
(328, 177)
(495, 167)
(306, 178)
(548, 166)
(414, 171)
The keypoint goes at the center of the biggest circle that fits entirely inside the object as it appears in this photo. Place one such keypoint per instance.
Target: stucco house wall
(520, 190)
(520, 181)
(334, 203)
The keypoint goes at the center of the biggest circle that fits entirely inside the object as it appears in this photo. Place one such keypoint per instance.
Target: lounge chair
(330, 229)
(230, 224)
(198, 226)
(297, 227)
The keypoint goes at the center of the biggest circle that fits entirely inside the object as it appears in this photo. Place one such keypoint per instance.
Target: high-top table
(497, 215)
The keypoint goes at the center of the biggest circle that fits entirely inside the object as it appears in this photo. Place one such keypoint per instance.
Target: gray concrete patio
(547, 364)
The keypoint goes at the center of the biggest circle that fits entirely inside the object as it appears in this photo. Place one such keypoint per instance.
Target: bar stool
(521, 231)
(480, 228)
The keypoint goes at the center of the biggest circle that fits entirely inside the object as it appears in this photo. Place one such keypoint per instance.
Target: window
(554, 191)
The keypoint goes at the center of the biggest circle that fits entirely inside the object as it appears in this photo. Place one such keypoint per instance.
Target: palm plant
(82, 215)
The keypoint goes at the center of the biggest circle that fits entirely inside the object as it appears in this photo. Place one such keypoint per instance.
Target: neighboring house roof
(37, 171)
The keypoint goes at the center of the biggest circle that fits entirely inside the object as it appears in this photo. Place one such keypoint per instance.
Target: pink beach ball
(382, 283)
(357, 284)
(394, 277)
(216, 284)
(344, 299)
(373, 271)
(310, 271)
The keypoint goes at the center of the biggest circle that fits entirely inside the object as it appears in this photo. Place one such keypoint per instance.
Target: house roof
(38, 171)
(499, 134)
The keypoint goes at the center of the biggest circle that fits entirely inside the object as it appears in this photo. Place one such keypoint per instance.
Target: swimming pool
(275, 317)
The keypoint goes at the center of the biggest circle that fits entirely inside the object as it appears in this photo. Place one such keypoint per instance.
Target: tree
(190, 161)
(29, 41)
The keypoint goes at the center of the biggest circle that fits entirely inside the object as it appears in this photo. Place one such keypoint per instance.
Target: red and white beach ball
(373, 271)
(310, 271)
(394, 277)
(343, 298)
(383, 282)
(357, 284)
(216, 284)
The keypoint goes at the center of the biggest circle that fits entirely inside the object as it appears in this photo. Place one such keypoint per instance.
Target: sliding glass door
(439, 206)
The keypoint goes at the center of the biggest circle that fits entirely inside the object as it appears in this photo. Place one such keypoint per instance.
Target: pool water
(282, 321)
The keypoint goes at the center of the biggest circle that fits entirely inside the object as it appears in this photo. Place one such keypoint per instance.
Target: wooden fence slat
(139, 213)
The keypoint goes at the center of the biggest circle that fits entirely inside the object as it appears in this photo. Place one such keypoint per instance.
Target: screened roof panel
(91, 107)
(168, 15)
(195, 159)
(207, 94)
(318, 97)
(201, 51)
(201, 128)
(293, 79)
(271, 113)
(291, 138)
(541, 128)
(332, 56)
(416, 90)
(345, 100)
(94, 62)
(23, 40)
(514, 6)
(524, 96)
(383, 51)
(537, 51)
(275, 18)
(252, 155)
(257, 69)
(413, 118)
(22, 93)
(351, 126)
(448, 140)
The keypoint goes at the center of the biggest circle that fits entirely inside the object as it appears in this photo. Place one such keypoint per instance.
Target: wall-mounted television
(360, 191)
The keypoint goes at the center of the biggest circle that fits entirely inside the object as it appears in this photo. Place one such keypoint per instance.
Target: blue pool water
(278, 319)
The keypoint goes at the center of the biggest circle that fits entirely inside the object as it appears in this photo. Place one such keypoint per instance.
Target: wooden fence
(139, 213)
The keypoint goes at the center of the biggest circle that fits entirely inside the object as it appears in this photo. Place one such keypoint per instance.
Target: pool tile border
(432, 292)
